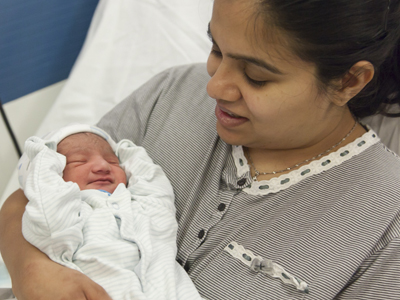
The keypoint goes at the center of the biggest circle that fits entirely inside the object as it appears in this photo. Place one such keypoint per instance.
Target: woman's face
(266, 96)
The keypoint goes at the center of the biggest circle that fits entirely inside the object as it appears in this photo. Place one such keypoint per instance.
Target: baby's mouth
(102, 180)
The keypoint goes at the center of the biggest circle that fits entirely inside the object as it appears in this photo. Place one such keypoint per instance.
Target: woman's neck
(274, 161)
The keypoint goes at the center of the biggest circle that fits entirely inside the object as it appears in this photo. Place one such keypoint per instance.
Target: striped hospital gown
(330, 230)
(126, 242)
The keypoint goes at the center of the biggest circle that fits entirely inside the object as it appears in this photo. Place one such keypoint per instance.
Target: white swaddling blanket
(126, 241)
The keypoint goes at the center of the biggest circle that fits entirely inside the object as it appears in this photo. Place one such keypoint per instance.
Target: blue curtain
(39, 42)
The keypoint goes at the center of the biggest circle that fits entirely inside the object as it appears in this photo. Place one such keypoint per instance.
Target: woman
(290, 197)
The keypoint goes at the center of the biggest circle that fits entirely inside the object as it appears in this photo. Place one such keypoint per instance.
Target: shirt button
(221, 207)
(201, 234)
(186, 267)
(115, 205)
(241, 182)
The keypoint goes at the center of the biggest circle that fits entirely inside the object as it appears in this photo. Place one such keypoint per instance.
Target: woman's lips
(227, 118)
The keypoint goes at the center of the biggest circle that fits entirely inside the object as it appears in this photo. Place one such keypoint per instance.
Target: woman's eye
(216, 52)
(256, 83)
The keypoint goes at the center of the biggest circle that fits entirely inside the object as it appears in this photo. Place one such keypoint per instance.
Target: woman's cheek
(260, 108)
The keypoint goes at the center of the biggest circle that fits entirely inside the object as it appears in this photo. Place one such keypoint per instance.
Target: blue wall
(39, 42)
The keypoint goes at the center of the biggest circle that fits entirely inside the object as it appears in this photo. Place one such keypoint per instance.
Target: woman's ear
(359, 75)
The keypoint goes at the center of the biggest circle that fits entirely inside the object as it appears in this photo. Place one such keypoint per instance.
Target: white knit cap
(53, 138)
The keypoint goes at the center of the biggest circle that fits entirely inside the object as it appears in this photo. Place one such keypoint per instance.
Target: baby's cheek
(121, 176)
(71, 174)
(65, 174)
(125, 179)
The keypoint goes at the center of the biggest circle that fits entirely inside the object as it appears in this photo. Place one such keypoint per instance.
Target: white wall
(25, 114)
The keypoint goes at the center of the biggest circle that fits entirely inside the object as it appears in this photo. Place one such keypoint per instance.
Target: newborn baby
(105, 209)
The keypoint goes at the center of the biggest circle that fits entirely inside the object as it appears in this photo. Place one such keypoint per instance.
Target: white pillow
(129, 41)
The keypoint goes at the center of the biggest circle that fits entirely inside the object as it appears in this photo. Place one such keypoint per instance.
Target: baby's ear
(359, 75)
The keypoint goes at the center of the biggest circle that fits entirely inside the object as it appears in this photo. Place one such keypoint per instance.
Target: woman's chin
(229, 136)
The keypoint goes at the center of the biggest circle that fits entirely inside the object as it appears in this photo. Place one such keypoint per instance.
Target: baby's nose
(101, 165)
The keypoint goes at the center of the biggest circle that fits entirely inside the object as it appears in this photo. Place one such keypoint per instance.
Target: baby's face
(91, 162)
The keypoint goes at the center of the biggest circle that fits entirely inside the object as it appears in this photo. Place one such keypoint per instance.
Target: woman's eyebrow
(248, 59)
(257, 62)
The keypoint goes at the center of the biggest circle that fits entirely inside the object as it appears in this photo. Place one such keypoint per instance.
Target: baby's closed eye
(75, 161)
(112, 159)
(75, 164)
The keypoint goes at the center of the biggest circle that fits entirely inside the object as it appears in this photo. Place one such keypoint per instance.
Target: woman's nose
(222, 84)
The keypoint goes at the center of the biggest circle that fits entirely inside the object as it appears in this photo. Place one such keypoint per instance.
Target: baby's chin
(98, 185)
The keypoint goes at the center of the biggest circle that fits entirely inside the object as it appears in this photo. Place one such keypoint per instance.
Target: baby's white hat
(53, 138)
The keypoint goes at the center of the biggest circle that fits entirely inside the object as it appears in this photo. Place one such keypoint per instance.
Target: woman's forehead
(252, 34)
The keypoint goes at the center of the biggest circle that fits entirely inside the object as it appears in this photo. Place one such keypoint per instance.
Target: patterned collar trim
(284, 181)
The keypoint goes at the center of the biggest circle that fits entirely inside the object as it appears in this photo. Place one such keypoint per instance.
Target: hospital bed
(129, 42)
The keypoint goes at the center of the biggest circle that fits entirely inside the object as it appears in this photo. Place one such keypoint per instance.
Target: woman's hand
(34, 275)
(46, 280)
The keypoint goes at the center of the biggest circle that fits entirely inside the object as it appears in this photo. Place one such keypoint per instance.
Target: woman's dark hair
(336, 34)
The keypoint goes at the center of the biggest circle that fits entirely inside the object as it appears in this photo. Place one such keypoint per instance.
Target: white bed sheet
(128, 43)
